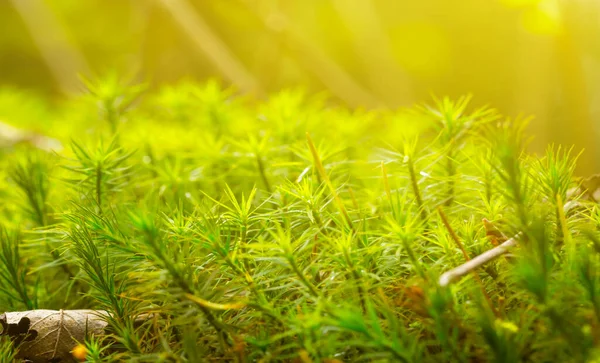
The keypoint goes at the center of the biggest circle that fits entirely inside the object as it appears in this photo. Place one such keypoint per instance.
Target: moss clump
(246, 239)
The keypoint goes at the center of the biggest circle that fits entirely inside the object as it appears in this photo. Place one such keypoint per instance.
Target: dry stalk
(456, 273)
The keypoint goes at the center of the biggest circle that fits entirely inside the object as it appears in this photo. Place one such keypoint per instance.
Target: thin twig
(466, 256)
(456, 273)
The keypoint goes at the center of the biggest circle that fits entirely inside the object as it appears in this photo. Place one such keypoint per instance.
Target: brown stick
(467, 258)
(456, 273)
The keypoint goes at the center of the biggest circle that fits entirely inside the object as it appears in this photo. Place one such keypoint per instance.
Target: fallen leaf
(51, 335)
(492, 233)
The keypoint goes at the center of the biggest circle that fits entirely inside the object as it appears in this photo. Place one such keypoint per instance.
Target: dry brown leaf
(413, 298)
(495, 236)
(50, 335)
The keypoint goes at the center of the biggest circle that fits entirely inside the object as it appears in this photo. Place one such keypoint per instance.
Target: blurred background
(528, 57)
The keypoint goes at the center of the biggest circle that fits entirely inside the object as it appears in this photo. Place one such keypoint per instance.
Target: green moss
(248, 240)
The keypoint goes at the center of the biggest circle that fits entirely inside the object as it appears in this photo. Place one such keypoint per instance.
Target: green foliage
(7, 351)
(31, 177)
(213, 227)
(13, 271)
(98, 171)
